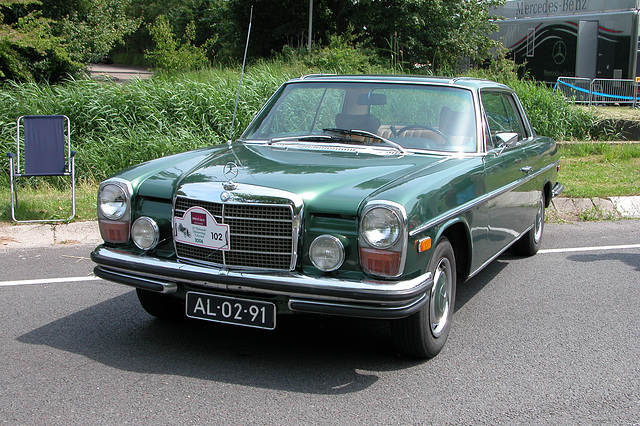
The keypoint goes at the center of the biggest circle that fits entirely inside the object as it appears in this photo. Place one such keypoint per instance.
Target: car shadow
(631, 259)
(466, 291)
(305, 353)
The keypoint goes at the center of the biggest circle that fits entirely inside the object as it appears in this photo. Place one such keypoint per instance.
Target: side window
(502, 115)
(515, 120)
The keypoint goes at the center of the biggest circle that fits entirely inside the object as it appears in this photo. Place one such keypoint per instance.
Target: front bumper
(366, 298)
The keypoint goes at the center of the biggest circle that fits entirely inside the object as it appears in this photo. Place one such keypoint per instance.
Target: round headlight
(326, 253)
(381, 227)
(145, 233)
(112, 201)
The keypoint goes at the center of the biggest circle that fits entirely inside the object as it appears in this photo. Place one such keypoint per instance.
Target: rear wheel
(530, 243)
(160, 305)
(424, 333)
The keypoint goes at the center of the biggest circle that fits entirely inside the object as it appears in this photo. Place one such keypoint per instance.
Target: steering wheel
(425, 127)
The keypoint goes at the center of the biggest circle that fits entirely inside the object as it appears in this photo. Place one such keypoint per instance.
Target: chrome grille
(261, 235)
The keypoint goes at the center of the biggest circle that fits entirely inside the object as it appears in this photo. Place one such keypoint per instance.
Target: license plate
(231, 310)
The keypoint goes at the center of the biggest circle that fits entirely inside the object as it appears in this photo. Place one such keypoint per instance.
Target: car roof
(468, 82)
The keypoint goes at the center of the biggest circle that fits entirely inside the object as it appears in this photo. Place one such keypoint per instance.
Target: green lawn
(588, 170)
(49, 202)
(600, 169)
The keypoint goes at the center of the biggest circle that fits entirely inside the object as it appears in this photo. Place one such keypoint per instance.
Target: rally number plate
(198, 227)
(231, 310)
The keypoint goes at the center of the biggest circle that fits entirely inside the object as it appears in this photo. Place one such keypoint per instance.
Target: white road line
(92, 278)
(576, 249)
(48, 281)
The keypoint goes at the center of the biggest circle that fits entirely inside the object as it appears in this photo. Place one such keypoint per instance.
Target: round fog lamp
(326, 253)
(145, 233)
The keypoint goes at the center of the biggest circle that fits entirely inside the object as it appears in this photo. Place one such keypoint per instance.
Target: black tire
(161, 306)
(423, 334)
(530, 243)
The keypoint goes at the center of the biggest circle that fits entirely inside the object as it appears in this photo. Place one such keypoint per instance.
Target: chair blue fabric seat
(46, 143)
(44, 148)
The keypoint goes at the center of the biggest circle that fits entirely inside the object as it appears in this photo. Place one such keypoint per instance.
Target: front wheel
(160, 305)
(424, 333)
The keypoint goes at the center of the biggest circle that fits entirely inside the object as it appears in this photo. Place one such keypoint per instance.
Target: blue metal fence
(599, 91)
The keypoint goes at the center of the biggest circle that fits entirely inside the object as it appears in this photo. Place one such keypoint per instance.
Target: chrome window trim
(454, 83)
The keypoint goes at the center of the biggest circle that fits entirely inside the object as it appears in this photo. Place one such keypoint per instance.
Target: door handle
(526, 169)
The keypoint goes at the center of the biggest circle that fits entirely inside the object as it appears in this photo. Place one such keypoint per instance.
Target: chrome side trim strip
(481, 267)
(478, 201)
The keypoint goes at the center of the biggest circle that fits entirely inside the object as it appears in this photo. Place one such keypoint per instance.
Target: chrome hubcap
(440, 301)
(539, 221)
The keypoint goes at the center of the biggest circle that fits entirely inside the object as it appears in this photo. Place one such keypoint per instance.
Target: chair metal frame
(15, 165)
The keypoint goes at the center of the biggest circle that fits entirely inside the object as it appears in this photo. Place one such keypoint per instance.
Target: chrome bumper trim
(166, 275)
(557, 189)
(344, 309)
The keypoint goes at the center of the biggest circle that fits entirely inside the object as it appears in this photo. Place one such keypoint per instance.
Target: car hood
(328, 180)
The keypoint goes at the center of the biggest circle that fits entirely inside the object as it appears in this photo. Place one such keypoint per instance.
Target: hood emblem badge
(230, 171)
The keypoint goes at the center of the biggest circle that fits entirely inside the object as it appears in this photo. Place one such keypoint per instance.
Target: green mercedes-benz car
(362, 196)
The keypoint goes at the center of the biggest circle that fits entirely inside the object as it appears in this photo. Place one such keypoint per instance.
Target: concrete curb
(49, 235)
(583, 209)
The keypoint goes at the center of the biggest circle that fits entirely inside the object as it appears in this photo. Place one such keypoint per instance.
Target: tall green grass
(115, 126)
(118, 125)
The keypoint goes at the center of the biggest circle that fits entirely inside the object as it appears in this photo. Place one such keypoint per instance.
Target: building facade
(572, 38)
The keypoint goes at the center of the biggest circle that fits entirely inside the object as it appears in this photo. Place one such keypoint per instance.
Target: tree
(439, 33)
(436, 33)
(49, 40)
(29, 49)
(94, 27)
(279, 23)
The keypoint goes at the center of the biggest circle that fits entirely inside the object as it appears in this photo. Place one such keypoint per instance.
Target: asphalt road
(551, 339)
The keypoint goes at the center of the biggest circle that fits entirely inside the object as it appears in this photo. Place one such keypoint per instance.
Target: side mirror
(505, 140)
(508, 139)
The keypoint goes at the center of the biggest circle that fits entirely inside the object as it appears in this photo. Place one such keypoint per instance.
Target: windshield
(412, 116)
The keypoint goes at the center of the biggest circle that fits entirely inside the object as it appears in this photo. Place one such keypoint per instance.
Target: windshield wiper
(310, 138)
(366, 134)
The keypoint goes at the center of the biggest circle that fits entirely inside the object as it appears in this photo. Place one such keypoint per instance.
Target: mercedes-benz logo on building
(559, 52)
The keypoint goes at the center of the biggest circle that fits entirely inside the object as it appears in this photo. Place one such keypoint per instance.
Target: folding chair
(45, 154)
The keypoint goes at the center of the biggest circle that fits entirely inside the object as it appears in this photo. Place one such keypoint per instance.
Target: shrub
(340, 57)
(171, 55)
